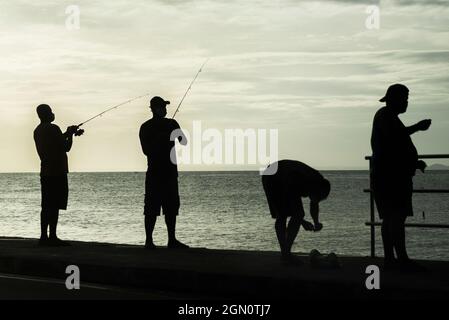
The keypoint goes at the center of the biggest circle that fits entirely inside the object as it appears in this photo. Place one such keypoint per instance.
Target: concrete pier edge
(216, 273)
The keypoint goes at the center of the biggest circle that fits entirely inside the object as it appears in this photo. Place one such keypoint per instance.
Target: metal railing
(373, 224)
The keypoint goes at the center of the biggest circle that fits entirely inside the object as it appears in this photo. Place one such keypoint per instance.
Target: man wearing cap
(157, 138)
(394, 162)
(285, 182)
(52, 146)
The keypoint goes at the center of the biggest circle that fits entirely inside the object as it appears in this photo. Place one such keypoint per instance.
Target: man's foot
(56, 242)
(177, 245)
(150, 246)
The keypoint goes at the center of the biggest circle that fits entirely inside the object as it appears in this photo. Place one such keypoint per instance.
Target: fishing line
(113, 107)
(145, 95)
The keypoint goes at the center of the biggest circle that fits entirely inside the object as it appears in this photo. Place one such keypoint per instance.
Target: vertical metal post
(372, 218)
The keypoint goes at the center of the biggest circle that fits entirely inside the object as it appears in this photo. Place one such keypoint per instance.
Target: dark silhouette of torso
(394, 153)
(157, 146)
(296, 177)
(51, 147)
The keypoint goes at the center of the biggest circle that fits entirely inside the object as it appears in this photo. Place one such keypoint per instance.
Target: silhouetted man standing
(52, 146)
(394, 163)
(284, 189)
(157, 137)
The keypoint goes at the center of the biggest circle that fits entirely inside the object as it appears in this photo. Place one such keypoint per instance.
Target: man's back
(156, 144)
(50, 146)
(296, 176)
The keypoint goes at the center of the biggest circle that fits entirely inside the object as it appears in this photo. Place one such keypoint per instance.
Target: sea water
(220, 210)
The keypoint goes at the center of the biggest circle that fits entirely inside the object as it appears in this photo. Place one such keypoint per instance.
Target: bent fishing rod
(145, 95)
(190, 87)
(114, 107)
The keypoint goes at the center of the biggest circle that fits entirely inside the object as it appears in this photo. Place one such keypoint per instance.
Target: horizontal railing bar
(414, 225)
(424, 156)
(418, 190)
(433, 156)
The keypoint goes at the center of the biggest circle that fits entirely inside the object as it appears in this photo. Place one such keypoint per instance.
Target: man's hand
(423, 125)
(317, 227)
(72, 130)
(308, 226)
(421, 165)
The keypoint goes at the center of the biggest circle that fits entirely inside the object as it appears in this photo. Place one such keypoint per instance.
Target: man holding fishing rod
(157, 137)
(52, 146)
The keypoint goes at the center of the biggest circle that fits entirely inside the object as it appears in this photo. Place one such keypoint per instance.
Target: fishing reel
(79, 132)
(75, 130)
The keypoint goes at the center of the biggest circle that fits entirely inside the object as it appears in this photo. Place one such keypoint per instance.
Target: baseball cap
(158, 102)
(394, 91)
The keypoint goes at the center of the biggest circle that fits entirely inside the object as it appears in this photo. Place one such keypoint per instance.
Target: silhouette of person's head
(321, 190)
(396, 98)
(159, 106)
(45, 113)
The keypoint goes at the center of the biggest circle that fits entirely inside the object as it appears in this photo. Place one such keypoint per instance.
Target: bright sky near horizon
(311, 69)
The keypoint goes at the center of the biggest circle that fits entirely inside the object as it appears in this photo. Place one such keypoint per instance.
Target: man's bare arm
(182, 138)
(143, 142)
(423, 125)
(68, 137)
(315, 214)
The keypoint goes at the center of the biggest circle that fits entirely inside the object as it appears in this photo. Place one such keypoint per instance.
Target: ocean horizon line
(180, 171)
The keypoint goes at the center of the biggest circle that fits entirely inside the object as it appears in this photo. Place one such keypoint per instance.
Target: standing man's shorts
(161, 192)
(393, 196)
(54, 191)
(283, 203)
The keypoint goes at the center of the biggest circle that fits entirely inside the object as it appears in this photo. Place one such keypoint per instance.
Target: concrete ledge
(217, 273)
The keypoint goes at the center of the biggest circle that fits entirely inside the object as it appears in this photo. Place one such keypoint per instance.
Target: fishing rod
(113, 107)
(141, 96)
(190, 87)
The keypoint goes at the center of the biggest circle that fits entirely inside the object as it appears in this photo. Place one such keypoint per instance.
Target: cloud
(303, 67)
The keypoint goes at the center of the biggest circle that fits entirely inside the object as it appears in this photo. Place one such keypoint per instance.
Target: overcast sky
(310, 69)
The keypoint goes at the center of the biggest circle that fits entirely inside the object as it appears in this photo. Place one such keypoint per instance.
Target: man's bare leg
(53, 221)
(44, 226)
(53, 239)
(150, 222)
(399, 238)
(387, 240)
(292, 231)
(170, 221)
(281, 233)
